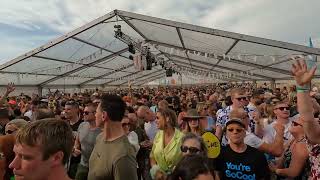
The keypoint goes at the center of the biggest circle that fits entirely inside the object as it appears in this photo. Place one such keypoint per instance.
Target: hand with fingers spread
(10, 88)
(300, 72)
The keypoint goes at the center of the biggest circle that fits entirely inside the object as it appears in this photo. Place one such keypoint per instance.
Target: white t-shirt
(270, 133)
(151, 129)
(133, 139)
(28, 114)
(252, 140)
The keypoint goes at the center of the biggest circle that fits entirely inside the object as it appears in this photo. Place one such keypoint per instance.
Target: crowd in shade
(157, 133)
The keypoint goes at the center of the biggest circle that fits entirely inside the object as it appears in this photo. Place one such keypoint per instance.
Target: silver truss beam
(133, 27)
(182, 43)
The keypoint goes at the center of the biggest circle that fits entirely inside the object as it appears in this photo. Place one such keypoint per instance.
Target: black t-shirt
(76, 125)
(250, 164)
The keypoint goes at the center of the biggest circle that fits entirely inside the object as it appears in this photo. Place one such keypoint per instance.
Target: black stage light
(169, 72)
(131, 49)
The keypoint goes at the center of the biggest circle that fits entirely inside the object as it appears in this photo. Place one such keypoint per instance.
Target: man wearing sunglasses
(239, 100)
(282, 113)
(86, 138)
(238, 160)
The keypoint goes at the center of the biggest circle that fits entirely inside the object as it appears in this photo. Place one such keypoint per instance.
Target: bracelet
(302, 90)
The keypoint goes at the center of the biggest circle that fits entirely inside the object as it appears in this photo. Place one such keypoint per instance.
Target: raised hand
(10, 88)
(300, 72)
(279, 127)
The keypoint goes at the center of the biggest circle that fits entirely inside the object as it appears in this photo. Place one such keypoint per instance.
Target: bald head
(145, 113)
(133, 118)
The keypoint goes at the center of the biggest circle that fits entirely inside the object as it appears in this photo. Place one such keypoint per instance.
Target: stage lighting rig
(134, 46)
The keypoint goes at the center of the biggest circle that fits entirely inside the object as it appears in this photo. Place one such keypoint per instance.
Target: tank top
(287, 159)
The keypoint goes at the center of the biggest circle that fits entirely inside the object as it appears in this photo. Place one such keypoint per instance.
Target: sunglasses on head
(87, 112)
(9, 132)
(235, 130)
(283, 108)
(241, 98)
(125, 124)
(192, 150)
(296, 124)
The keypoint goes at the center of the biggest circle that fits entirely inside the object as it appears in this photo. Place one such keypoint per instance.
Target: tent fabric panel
(157, 32)
(91, 72)
(69, 50)
(260, 54)
(69, 81)
(206, 42)
(40, 66)
(23, 79)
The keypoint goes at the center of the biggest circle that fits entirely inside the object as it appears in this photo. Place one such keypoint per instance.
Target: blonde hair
(235, 91)
(164, 103)
(18, 123)
(237, 113)
(200, 106)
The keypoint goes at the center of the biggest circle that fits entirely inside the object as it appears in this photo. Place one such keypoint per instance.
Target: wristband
(302, 89)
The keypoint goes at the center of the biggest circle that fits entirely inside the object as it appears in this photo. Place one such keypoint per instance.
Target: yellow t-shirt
(168, 157)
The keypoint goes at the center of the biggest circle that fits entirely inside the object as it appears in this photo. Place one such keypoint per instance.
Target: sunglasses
(192, 119)
(9, 132)
(235, 130)
(125, 124)
(296, 124)
(283, 108)
(87, 112)
(241, 98)
(192, 150)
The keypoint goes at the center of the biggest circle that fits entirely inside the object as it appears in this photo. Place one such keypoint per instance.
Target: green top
(168, 157)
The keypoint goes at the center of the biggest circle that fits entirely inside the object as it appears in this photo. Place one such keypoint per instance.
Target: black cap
(235, 121)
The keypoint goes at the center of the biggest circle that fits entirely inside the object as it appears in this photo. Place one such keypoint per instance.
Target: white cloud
(286, 20)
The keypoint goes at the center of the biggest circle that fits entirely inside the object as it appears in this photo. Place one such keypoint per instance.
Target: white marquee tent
(91, 56)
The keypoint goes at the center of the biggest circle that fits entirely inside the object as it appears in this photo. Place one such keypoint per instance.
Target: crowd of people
(156, 133)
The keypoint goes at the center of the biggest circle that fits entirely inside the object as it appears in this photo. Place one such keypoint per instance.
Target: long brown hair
(168, 113)
(6, 147)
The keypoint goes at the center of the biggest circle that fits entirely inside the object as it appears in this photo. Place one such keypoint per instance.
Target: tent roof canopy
(92, 56)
